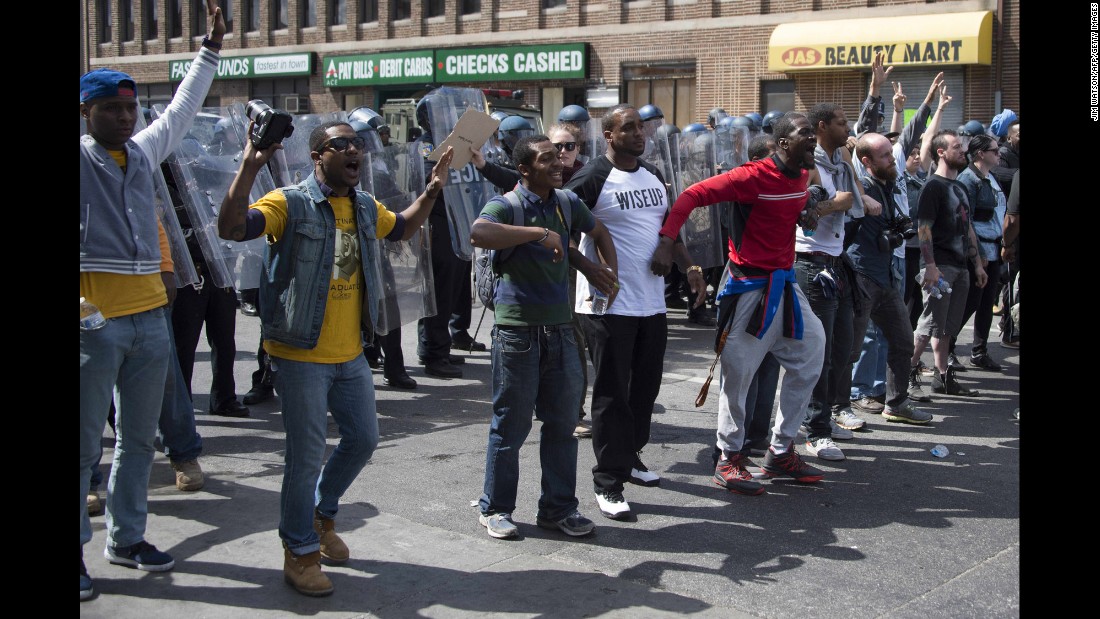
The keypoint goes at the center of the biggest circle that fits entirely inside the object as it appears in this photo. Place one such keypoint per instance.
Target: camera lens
(255, 107)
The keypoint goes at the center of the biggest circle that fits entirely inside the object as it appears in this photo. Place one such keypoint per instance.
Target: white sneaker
(825, 449)
(644, 478)
(847, 419)
(612, 504)
(839, 433)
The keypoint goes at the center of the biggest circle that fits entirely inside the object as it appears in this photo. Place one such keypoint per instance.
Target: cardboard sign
(471, 131)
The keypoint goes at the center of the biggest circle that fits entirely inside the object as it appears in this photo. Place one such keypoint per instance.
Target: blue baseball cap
(106, 83)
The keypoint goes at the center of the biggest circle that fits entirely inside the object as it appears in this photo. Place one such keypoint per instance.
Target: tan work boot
(303, 572)
(188, 475)
(332, 547)
(95, 504)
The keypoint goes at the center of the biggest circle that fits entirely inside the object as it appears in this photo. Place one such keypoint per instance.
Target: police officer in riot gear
(448, 271)
(715, 115)
(769, 118)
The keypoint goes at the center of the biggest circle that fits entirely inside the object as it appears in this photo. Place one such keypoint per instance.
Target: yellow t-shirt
(116, 294)
(340, 340)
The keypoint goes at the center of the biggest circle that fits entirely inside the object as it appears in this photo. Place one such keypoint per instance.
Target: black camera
(271, 126)
(897, 231)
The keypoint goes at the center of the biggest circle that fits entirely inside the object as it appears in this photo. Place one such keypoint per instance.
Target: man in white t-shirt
(627, 344)
(824, 276)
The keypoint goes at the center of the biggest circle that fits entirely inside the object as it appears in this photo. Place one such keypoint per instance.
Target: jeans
(535, 369)
(130, 356)
(869, 369)
(886, 308)
(979, 304)
(309, 391)
(176, 426)
(628, 353)
(834, 386)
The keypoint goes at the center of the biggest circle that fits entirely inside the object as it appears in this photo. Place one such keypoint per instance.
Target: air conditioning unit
(297, 104)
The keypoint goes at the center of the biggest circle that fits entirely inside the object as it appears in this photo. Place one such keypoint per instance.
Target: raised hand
(217, 29)
(936, 83)
(899, 97)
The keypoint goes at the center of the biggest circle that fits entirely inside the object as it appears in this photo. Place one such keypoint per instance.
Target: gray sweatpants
(741, 356)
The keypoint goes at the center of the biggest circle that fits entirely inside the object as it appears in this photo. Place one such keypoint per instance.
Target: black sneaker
(732, 475)
(985, 362)
(142, 555)
(916, 393)
(230, 408)
(790, 465)
(574, 524)
(950, 385)
(443, 369)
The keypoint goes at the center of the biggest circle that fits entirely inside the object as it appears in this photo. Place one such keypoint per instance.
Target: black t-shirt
(943, 202)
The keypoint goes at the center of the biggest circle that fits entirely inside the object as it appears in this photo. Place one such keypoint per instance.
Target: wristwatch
(695, 269)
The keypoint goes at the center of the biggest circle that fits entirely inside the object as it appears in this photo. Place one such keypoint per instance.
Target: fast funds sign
(250, 67)
(415, 67)
(511, 64)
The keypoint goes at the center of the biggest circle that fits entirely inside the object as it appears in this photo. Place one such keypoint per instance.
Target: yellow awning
(908, 40)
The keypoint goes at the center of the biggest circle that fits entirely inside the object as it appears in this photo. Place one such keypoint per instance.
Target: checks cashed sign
(413, 67)
(246, 67)
(513, 64)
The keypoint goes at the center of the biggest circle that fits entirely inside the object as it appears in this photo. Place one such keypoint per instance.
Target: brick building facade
(685, 55)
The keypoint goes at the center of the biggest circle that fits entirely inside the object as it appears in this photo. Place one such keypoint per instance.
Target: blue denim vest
(294, 288)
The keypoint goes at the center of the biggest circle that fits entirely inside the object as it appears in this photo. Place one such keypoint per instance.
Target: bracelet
(695, 269)
(545, 235)
(206, 42)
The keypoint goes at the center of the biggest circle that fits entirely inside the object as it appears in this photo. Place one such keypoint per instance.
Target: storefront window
(174, 15)
(279, 15)
(401, 9)
(469, 7)
(126, 21)
(252, 15)
(433, 8)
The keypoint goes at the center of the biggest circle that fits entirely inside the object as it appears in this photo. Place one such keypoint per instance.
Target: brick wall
(730, 62)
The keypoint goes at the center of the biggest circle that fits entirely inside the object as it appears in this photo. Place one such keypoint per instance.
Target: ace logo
(801, 56)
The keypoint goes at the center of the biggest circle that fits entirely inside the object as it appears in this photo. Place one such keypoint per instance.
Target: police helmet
(694, 128)
(364, 130)
(513, 128)
(367, 115)
(499, 114)
(573, 114)
(668, 129)
(757, 120)
(650, 111)
(972, 128)
(716, 115)
(422, 113)
(769, 119)
(742, 121)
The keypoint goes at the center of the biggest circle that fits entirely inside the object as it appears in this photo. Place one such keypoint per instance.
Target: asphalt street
(893, 531)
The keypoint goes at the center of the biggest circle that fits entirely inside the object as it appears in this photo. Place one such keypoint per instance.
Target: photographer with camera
(873, 241)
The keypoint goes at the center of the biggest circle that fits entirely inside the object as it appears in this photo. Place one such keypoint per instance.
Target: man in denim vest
(318, 295)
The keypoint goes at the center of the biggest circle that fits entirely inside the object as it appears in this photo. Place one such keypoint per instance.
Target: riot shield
(731, 147)
(702, 232)
(657, 154)
(593, 143)
(203, 167)
(467, 191)
(408, 291)
(292, 163)
(183, 265)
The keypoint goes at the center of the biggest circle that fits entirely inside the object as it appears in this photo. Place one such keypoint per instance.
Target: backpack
(487, 261)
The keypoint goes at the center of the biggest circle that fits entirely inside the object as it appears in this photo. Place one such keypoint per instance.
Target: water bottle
(936, 291)
(599, 302)
(90, 316)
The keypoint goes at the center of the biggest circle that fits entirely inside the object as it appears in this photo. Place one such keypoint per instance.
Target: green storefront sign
(250, 67)
(414, 67)
(521, 63)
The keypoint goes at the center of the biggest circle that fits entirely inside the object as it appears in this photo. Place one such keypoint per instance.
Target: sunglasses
(569, 146)
(341, 143)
